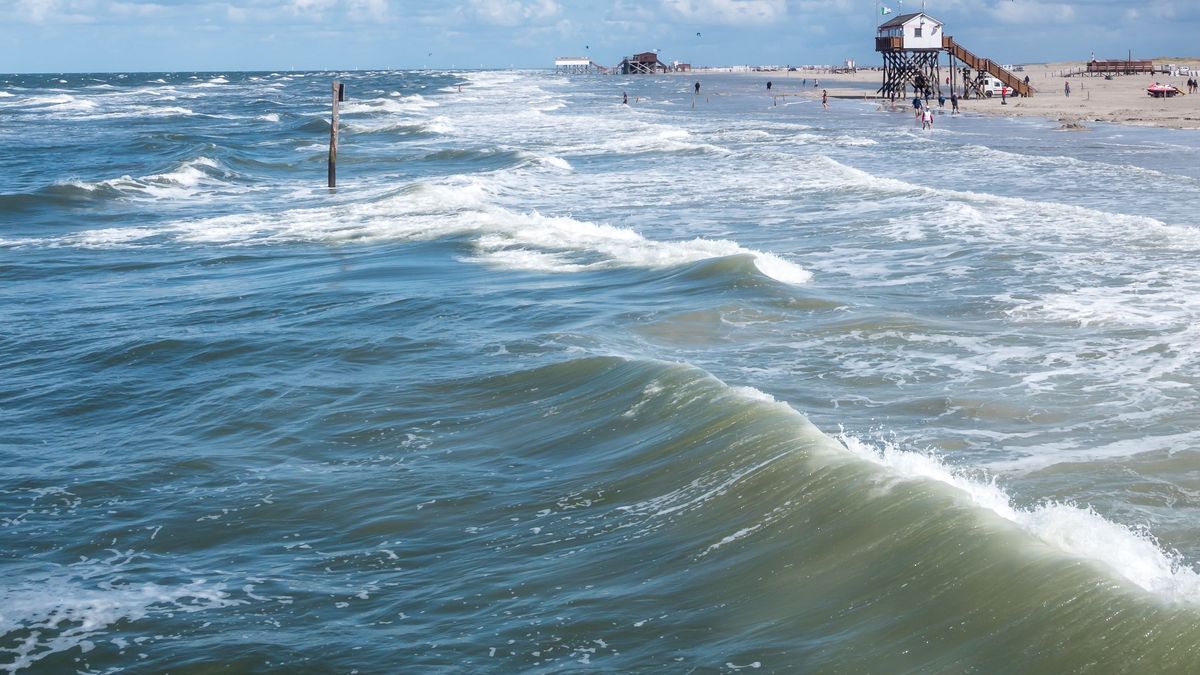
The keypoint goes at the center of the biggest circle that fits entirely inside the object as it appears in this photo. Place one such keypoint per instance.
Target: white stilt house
(910, 44)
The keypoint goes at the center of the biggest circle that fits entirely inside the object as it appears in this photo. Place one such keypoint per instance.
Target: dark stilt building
(646, 63)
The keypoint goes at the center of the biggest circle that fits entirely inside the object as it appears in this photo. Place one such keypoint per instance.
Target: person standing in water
(625, 98)
(825, 99)
(697, 88)
(768, 85)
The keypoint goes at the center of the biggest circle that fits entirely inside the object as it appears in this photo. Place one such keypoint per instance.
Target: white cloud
(138, 10)
(312, 6)
(728, 12)
(368, 10)
(1033, 12)
(515, 12)
(62, 11)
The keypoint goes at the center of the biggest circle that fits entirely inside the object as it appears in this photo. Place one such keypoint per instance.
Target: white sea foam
(1052, 454)
(187, 180)
(1133, 554)
(141, 111)
(504, 238)
(548, 161)
(269, 117)
(60, 614)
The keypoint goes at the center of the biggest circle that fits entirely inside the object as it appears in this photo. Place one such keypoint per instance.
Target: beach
(1121, 100)
(551, 383)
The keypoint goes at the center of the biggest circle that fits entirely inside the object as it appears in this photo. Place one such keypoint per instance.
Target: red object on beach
(1162, 90)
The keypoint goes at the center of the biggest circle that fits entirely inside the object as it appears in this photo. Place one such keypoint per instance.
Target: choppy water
(551, 384)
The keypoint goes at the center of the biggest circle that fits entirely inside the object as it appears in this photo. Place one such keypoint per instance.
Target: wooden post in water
(339, 94)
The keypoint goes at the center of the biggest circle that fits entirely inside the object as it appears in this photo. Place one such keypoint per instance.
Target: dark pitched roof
(902, 19)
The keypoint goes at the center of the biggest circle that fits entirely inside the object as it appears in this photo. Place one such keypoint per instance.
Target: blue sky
(141, 35)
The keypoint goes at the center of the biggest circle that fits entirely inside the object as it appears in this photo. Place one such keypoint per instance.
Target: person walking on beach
(927, 119)
(953, 103)
(825, 99)
(1067, 89)
(941, 100)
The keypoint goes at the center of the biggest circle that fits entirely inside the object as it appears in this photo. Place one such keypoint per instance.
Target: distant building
(573, 64)
(646, 63)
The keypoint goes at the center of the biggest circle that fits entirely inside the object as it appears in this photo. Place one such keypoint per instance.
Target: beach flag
(884, 11)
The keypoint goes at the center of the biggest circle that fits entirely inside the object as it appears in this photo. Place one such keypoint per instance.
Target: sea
(707, 382)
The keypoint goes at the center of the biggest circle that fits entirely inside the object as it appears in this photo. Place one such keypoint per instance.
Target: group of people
(924, 112)
(1192, 85)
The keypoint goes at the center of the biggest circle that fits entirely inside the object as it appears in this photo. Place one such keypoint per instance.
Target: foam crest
(592, 245)
(660, 139)
(1133, 554)
(407, 104)
(548, 161)
(526, 241)
(187, 180)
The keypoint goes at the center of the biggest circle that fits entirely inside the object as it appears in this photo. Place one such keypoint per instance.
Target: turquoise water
(551, 383)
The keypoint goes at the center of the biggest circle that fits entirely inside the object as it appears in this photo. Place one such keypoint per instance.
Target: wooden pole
(339, 94)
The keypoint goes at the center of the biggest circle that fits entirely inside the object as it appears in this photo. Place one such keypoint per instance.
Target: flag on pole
(884, 11)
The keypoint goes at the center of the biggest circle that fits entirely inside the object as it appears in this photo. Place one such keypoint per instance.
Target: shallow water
(553, 383)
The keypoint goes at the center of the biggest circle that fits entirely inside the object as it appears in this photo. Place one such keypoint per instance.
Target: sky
(216, 35)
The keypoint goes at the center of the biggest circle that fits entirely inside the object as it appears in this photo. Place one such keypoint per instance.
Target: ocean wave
(406, 127)
(1133, 554)
(377, 106)
(753, 469)
(661, 139)
(506, 239)
(188, 179)
(1004, 217)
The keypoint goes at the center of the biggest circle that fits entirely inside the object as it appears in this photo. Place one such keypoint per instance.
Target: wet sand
(1121, 100)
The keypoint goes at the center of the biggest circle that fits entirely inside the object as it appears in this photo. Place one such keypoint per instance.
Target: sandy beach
(1121, 100)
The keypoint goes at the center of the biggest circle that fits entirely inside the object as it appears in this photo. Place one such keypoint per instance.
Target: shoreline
(1121, 100)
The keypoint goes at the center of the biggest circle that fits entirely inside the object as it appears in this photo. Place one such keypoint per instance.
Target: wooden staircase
(986, 65)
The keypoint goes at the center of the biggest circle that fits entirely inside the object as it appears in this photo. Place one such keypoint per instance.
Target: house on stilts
(646, 63)
(912, 45)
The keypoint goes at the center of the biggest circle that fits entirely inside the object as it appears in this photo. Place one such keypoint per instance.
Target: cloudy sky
(142, 35)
